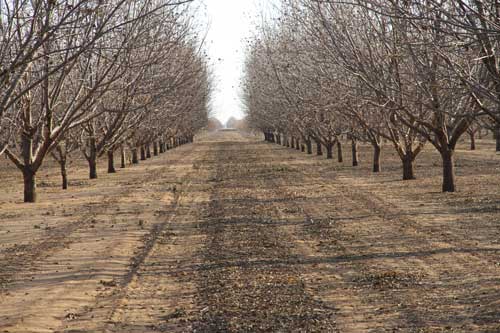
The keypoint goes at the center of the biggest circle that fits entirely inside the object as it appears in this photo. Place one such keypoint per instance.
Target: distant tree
(232, 122)
(214, 124)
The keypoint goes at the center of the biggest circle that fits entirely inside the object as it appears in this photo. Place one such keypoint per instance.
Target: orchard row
(412, 73)
(96, 77)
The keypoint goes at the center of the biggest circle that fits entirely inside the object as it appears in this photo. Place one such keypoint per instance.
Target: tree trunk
(92, 159)
(472, 141)
(319, 149)
(135, 157)
(408, 173)
(29, 175)
(148, 151)
(292, 144)
(329, 151)
(302, 148)
(297, 144)
(155, 148)
(376, 157)
(354, 148)
(496, 134)
(29, 178)
(111, 162)
(143, 153)
(287, 141)
(64, 174)
(162, 147)
(278, 139)
(448, 170)
(123, 158)
(339, 152)
(309, 147)
(92, 168)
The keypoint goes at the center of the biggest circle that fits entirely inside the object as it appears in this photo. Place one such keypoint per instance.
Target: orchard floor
(232, 234)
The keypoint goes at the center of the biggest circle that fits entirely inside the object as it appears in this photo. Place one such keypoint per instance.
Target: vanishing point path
(232, 234)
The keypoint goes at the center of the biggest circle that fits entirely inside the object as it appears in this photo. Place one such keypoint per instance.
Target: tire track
(107, 312)
(396, 270)
(18, 258)
(47, 266)
(248, 282)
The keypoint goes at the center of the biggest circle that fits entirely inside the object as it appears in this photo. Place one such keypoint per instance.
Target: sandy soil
(234, 234)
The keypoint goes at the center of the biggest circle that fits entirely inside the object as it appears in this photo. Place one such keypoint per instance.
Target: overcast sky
(230, 23)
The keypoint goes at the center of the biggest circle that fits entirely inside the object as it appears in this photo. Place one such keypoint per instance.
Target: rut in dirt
(248, 281)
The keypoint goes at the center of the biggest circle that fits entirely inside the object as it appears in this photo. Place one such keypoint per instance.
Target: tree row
(97, 77)
(412, 73)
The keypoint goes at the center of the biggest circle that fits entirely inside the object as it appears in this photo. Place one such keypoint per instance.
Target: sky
(230, 23)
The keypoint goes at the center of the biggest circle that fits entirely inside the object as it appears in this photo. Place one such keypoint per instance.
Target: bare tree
(369, 69)
(65, 57)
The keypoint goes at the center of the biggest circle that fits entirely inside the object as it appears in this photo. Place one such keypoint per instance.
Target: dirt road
(232, 234)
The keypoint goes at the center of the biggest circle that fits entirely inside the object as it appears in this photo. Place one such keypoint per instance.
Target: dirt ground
(232, 234)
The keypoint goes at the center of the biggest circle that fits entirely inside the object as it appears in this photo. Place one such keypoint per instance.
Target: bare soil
(232, 234)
